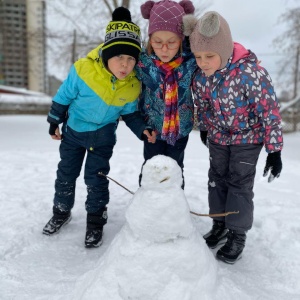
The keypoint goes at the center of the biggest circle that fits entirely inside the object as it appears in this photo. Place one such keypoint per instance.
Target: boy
(98, 90)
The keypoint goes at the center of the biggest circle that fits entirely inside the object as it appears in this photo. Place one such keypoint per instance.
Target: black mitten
(203, 136)
(273, 164)
(144, 137)
(52, 128)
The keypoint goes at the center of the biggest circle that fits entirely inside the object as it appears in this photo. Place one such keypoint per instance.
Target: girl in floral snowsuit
(238, 114)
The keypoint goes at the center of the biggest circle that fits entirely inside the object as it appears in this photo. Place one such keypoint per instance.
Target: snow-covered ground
(34, 266)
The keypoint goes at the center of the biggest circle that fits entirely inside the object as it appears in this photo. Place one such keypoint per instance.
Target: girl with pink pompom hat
(165, 68)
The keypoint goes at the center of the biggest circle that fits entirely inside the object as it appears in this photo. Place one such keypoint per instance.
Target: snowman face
(161, 172)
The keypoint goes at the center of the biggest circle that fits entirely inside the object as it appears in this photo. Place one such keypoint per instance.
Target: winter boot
(94, 228)
(232, 250)
(56, 223)
(93, 237)
(217, 235)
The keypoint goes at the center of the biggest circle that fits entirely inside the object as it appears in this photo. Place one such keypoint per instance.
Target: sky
(35, 266)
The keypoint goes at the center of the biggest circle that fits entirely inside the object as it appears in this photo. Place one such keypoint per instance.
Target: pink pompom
(188, 6)
(146, 9)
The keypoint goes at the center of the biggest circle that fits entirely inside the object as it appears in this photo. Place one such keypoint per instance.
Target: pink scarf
(170, 128)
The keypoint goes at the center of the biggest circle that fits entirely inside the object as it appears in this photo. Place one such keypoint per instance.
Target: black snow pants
(97, 146)
(230, 185)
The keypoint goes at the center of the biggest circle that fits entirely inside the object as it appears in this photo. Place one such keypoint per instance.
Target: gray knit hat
(211, 33)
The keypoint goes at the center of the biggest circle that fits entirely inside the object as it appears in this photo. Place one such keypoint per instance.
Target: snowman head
(159, 211)
(160, 172)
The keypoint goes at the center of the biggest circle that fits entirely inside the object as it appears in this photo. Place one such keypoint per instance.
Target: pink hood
(239, 51)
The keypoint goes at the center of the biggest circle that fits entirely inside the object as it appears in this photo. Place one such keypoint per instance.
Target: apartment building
(23, 44)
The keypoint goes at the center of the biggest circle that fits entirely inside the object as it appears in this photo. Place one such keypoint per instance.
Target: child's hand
(150, 135)
(274, 165)
(54, 132)
(57, 135)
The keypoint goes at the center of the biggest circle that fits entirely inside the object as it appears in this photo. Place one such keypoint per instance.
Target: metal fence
(290, 113)
(291, 120)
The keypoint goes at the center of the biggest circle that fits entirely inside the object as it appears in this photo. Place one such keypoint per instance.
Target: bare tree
(75, 27)
(289, 43)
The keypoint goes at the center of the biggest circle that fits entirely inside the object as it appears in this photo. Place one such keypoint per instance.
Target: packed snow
(159, 253)
(35, 266)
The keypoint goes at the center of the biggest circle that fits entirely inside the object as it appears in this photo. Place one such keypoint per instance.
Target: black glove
(273, 164)
(52, 128)
(203, 136)
(144, 137)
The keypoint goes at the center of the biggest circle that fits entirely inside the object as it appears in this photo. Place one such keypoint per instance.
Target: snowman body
(158, 254)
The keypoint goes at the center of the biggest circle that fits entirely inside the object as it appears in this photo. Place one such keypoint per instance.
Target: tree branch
(216, 215)
(108, 6)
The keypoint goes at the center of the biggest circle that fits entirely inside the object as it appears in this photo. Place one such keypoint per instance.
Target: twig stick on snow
(216, 215)
(102, 174)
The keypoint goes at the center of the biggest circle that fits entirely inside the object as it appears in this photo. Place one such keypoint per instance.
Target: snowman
(158, 254)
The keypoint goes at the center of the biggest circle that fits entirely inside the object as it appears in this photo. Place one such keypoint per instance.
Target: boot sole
(228, 260)
(57, 231)
(91, 245)
(94, 245)
(219, 243)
